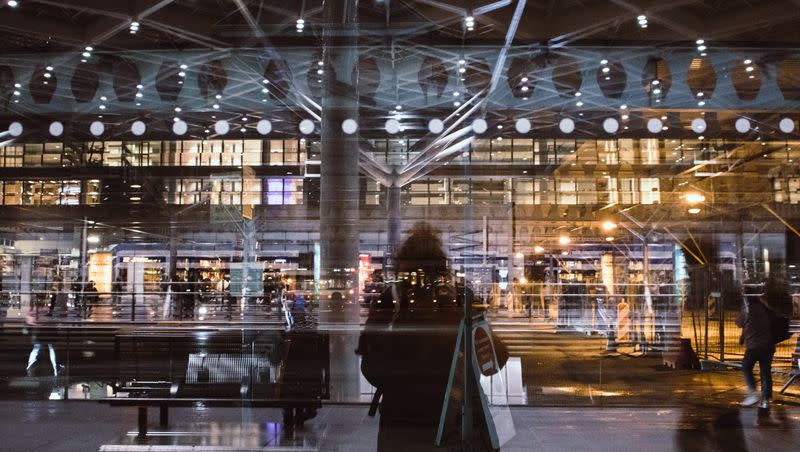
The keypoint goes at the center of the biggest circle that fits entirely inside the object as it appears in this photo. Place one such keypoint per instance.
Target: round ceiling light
(264, 127)
(566, 125)
(97, 128)
(523, 125)
(698, 125)
(56, 128)
(15, 129)
(392, 126)
(436, 125)
(138, 128)
(786, 125)
(179, 127)
(654, 125)
(349, 126)
(480, 126)
(742, 125)
(221, 127)
(611, 125)
(306, 126)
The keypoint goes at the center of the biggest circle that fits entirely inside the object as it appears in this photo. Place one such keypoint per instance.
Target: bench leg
(788, 383)
(142, 421)
(163, 416)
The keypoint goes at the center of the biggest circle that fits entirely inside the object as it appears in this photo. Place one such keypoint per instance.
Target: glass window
(13, 156)
(112, 153)
(52, 154)
(13, 193)
(280, 191)
(566, 191)
(192, 153)
(374, 193)
(92, 192)
(252, 153)
(290, 152)
(523, 150)
(650, 190)
(481, 150)
(275, 152)
(649, 148)
(501, 150)
(70, 194)
(523, 190)
(33, 154)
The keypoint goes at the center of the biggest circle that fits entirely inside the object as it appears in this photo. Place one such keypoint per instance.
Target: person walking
(759, 348)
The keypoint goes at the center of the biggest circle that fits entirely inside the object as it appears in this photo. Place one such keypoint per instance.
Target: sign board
(484, 354)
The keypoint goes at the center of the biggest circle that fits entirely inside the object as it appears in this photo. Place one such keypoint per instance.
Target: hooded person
(408, 342)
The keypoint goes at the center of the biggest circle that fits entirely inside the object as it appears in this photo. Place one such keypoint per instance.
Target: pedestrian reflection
(39, 339)
(407, 345)
(710, 428)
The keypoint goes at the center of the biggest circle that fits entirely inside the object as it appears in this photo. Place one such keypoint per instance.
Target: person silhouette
(408, 342)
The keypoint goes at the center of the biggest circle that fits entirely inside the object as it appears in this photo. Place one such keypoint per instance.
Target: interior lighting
(538, 249)
(564, 240)
(642, 19)
(469, 22)
(694, 210)
(300, 25)
(12, 3)
(609, 225)
(134, 27)
(694, 198)
(93, 239)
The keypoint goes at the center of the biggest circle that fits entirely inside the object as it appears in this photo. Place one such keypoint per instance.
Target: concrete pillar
(394, 228)
(339, 195)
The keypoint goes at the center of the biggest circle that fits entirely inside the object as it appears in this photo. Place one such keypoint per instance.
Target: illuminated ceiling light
(47, 75)
(49, 68)
(16, 92)
(93, 239)
(179, 127)
(609, 225)
(657, 91)
(306, 126)
(12, 3)
(694, 198)
(654, 125)
(56, 128)
(456, 104)
(523, 125)
(349, 126)
(611, 125)
(97, 128)
(139, 95)
(606, 70)
(701, 48)
(538, 249)
(604, 62)
(264, 127)
(181, 74)
(215, 106)
(392, 126)
(655, 82)
(436, 125)
(15, 129)
(221, 127)
(624, 117)
(86, 54)
(102, 107)
(742, 125)
(566, 125)
(623, 107)
(138, 128)
(609, 239)
(176, 119)
(663, 117)
(456, 94)
(480, 126)
(320, 72)
(700, 94)
(694, 210)
(264, 90)
(701, 103)
(579, 104)
(300, 25)
(786, 125)
(564, 240)
(699, 125)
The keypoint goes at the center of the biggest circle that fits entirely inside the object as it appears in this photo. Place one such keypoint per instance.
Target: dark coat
(755, 324)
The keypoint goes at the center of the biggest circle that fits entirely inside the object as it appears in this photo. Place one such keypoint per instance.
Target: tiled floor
(88, 426)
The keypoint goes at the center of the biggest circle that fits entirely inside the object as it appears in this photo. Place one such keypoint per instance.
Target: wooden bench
(165, 403)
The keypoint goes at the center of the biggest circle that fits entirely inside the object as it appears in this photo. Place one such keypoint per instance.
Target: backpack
(778, 326)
